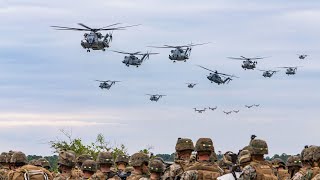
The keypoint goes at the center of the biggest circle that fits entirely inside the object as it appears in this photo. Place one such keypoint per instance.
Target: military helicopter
(268, 73)
(94, 39)
(291, 70)
(133, 60)
(249, 106)
(106, 84)
(179, 53)
(218, 77)
(227, 112)
(213, 108)
(191, 85)
(302, 56)
(155, 97)
(248, 63)
(199, 110)
(236, 111)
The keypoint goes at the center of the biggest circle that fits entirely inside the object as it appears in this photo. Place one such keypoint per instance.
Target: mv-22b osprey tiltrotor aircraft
(94, 39)
(217, 77)
(179, 53)
(133, 60)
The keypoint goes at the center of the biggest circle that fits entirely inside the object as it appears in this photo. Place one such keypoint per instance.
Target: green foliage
(53, 160)
(147, 150)
(76, 145)
(167, 157)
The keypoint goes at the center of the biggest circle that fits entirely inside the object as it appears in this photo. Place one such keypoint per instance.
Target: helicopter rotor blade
(234, 58)
(111, 25)
(69, 28)
(190, 45)
(207, 69)
(121, 52)
(87, 27)
(118, 28)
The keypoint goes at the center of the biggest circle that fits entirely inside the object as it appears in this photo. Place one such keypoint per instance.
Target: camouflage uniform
(226, 163)
(203, 169)
(123, 174)
(157, 167)
(137, 160)
(68, 159)
(316, 159)
(42, 162)
(293, 164)
(179, 165)
(258, 170)
(307, 172)
(283, 173)
(105, 158)
(91, 166)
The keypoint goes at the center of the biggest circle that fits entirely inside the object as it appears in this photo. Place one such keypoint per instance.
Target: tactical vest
(283, 174)
(206, 170)
(263, 170)
(30, 172)
(307, 173)
(136, 176)
(4, 173)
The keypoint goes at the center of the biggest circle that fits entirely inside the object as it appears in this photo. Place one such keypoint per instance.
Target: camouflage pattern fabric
(175, 170)
(4, 173)
(202, 170)
(135, 176)
(110, 175)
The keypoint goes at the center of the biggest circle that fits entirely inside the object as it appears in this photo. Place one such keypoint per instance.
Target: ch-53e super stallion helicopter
(212, 109)
(191, 85)
(133, 60)
(227, 112)
(155, 97)
(106, 84)
(302, 56)
(94, 39)
(199, 110)
(179, 53)
(218, 78)
(248, 63)
(268, 73)
(291, 70)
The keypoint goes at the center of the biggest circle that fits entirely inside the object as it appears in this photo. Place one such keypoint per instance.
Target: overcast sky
(47, 78)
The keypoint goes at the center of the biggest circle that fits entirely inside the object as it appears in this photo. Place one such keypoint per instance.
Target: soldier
(139, 162)
(156, 168)
(316, 160)
(226, 163)
(122, 162)
(184, 148)
(306, 172)
(89, 167)
(244, 158)
(43, 162)
(105, 162)
(258, 168)
(4, 166)
(280, 169)
(203, 168)
(66, 162)
(293, 164)
(18, 160)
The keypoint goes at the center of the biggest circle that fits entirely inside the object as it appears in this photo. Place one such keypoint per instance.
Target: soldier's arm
(297, 176)
(190, 175)
(249, 173)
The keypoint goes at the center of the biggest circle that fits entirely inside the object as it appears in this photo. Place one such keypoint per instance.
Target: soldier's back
(135, 176)
(258, 170)
(202, 170)
(110, 175)
(4, 173)
(175, 170)
(283, 174)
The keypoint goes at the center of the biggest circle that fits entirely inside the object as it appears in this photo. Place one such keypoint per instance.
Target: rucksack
(30, 172)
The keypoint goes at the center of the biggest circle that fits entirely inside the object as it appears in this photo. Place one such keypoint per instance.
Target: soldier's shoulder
(317, 177)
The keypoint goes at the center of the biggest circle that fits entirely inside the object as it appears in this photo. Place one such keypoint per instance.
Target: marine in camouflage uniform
(226, 163)
(258, 168)
(280, 169)
(294, 164)
(307, 172)
(43, 162)
(156, 168)
(76, 171)
(66, 162)
(122, 162)
(4, 166)
(105, 162)
(89, 167)
(203, 168)
(139, 162)
(21, 168)
(316, 159)
(184, 148)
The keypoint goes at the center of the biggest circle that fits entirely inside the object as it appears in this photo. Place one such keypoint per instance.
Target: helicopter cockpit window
(180, 50)
(90, 38)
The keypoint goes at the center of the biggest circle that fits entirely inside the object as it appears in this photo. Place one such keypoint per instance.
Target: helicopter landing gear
(174, 61)
(137, 66)
(103, 49)
(88, 50)
(185, 60)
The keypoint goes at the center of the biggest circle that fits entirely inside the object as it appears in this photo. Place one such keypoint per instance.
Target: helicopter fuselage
(291, 71)
(217, 79)
(95, 41)
(132, 60)
(267, 74)
(248, 65)
(105, 85)
(179, 54)
(191, 85)
(154, 98)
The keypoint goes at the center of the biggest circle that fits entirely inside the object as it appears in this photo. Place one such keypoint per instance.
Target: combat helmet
(316, 154)
(307, 154)
(277, 162)
(80, 159)
(122, 158)
(42, 162)
(184, 144)
(258, 146)
(8, 156)
(105, 158)
(3, 157)
(244, 156)
(204, 144)
(138, 159)
(294, 161)
(156, 165)
(67, 158)
(89, 165)
(19, 158)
